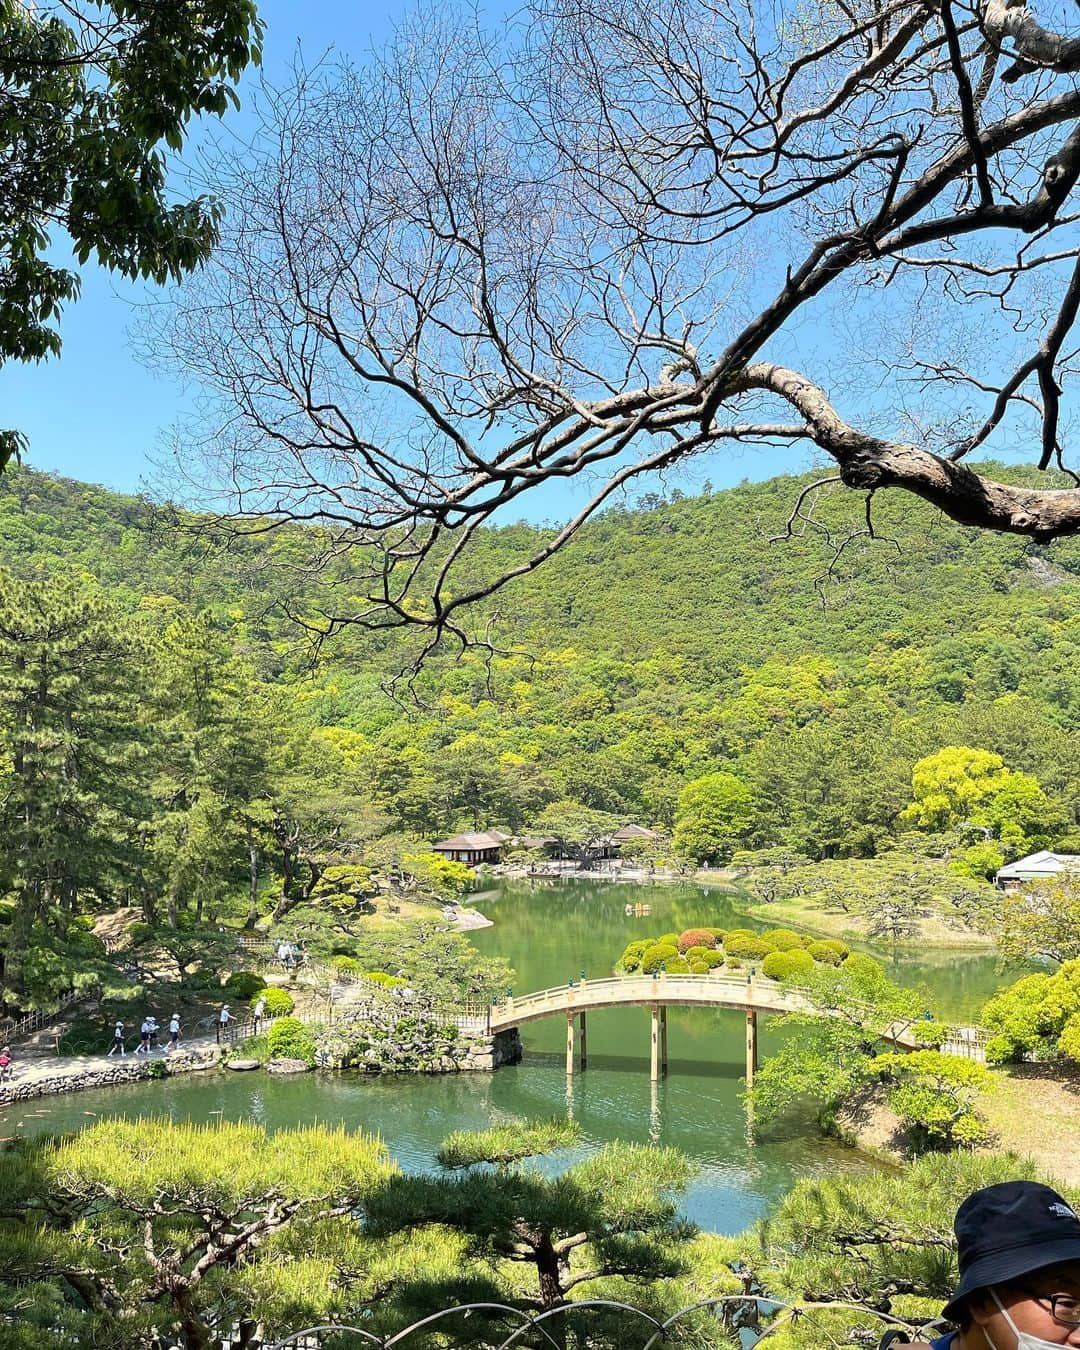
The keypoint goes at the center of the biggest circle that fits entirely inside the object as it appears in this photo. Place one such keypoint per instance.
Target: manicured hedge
(746, 948)
(826, 953)
(785, 939)
(658, 955)
(787, 965)
(632, 954)
(289, 1038)
(348, 964)
(695, 937)
(279, 1002)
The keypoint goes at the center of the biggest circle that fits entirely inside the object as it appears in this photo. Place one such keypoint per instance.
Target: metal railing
(755, 1314)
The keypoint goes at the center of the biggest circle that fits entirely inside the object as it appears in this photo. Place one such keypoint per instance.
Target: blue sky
(96, 413)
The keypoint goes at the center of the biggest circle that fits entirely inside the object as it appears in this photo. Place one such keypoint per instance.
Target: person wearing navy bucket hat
(1018, 1245)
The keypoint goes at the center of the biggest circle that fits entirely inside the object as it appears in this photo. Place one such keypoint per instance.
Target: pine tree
(73, 780)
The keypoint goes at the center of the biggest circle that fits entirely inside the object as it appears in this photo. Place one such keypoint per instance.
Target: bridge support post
(751, 1046)
(663, 1041)
(584, 1043)
(654, 1058)
(570, 1045)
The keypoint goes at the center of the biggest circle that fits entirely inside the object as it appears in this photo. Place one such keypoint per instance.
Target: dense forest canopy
(670, 645)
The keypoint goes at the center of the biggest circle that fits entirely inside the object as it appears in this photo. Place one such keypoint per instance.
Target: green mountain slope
(667, 642)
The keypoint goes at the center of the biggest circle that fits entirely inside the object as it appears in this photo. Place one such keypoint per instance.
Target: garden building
(485, 847)
(1041, 866)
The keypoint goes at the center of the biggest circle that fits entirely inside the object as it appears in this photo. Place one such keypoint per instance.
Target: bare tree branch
(578, 250)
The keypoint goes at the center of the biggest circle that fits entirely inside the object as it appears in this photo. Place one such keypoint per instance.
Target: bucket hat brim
(1004, 1266)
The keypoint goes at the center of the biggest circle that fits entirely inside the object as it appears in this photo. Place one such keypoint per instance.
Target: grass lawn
(804, 913)
(1034, 1110)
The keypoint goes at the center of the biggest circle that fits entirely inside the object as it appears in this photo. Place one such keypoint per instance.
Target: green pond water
(550, 932)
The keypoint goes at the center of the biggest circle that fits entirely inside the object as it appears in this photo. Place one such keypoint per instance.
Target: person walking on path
(259, 1012)
(1018, 1245)
(117, 1041)
(153, 1029)
(7, 1068)
(143, 1048)
(224, 1018)
(174, 1033)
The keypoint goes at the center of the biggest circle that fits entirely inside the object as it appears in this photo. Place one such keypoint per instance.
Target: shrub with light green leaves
(384, 979)
(630, 961)
(787, 965)
(785, 939)
(279, 1002)
(659, 954)
(1015, 1019)
(826, 954)
(289, 1038)
(748, 948)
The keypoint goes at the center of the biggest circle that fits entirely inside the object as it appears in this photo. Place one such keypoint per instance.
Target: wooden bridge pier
(743, 993)
(751, 1046)
(658, 1045)
(571, 1048)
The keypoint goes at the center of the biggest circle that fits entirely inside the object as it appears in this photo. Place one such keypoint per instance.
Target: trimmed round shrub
(289, 1038)
(787, 965)
(695, 937)
(718, 933)
(669, 939)
(632, 954)
(785, 939)
(825, 954)
(712, 960)
(658, 955)
(697, 953)
(242, 984)
(347, 964)
(748, 948)
(279, 1002)
(698, 968)
(678, 965)
(841, 948)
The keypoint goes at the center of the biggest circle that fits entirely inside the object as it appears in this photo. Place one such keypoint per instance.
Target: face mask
(1024, 1339)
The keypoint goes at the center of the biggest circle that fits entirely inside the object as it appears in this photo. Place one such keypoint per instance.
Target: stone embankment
(80, 1072)
(390, 1041)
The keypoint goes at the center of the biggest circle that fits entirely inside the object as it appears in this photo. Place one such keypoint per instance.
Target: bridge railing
(746, 988)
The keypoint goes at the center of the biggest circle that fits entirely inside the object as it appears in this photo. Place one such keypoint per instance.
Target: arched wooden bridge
(574, 1001)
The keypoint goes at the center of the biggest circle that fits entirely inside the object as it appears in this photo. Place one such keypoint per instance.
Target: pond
(550, 932)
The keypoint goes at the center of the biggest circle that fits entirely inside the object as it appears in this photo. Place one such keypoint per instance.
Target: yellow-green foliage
(289, 1038)
(659, 954)
(748, 947)
(829, 952)
(231, 1164)
(785, 939)
(787, 965)
(279, 1002)
(506, 1143)
(1035, 1015)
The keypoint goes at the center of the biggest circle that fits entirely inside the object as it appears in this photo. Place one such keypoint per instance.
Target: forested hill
(667, 643)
